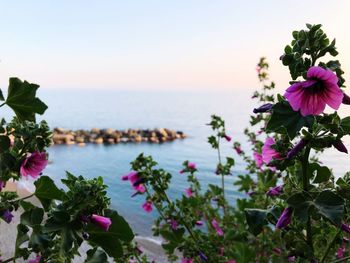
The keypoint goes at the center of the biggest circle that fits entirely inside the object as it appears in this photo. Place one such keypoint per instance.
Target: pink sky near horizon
(160, 45)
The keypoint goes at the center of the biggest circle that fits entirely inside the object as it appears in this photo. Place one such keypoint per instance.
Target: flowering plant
(54, 223)
(295, 209)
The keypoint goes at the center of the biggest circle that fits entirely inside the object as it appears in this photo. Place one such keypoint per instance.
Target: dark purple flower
(345, 228)
(173, 224)
(264, 108)
(275, 191)
(7, 216)
(203, 256)
(238, 149)
(312, 95)
(285, 218)
(346, 99)
(339, 145)
(199, 223)
(228, 138)
(277, 251)
(297, 148)
(291, 258)
(340, 252)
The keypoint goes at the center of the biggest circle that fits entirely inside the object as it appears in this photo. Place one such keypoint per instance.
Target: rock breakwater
(111, 136)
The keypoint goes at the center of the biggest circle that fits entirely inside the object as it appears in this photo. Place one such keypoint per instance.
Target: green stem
(341, 260)
(306, 186)
(330, 246)
(222, 178)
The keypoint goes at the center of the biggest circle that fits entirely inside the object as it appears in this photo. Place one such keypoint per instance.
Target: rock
(110, 141)
(138, 138)
(95, 130)
(98, 140)
(108, 131)
(80, 139)
(81, 144)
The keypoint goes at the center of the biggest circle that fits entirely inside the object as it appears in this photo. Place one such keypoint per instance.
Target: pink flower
(312, 95)
(147, 206)
(218, 230)
(231, 261)
(268, 153)
(191, 165)
(258, 159)
(187, 260)
(36, 260)
(173, 224)
(101, 221)
(340, 252)
(2, 185)
(228, 138)
(34, 164)
(134, 179)
(188, 192)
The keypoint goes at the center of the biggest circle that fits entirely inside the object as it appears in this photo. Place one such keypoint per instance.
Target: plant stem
(330, 246)
(341, 260)
(222, 178)
(306, 185)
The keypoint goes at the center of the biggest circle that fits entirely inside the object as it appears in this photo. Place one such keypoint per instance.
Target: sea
(186, 110)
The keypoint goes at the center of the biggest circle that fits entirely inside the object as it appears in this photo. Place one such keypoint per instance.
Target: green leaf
(32, 217)
(1, 96)
(4, 143)
(301, 204)
(22, 237)
(21, 98)
(96, 255)
(330, 205)
(322, 173)
(46, 189)
(285, 119)
(345, 124)
(256, 219)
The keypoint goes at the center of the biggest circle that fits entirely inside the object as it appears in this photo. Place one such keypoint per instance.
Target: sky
(158, 44)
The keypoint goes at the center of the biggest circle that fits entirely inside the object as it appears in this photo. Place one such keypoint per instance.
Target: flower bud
(285, 218)
(339, 145)
(346, 99)
(264, 108)
(275, 191)
(297, 148)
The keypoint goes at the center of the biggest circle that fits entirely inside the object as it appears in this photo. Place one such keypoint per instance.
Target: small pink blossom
(187, 260)
(192, 165)
(311, 96)
(231, 261)
(2, 185)
(173, 224)
(101, 221)
(147, 206)
(36, 260)
(340, 252)
(268, 153)
(133, 177)
(258, 159)
(238, 149)
(34, 164)
(217, 228)
(189, 192)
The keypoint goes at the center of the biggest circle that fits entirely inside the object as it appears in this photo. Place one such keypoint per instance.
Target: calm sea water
(188, 111)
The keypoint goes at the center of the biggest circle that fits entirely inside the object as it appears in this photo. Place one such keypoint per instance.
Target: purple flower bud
(291, 258)
(346, 99)
(228, 138)
(199, 223)
(2, 185)
(339, 145)
(277, 251)
(202, 256)
(275, 191)
(7, 216)
(297, 148)
(264, 108)
(285, 218)
(345, 228)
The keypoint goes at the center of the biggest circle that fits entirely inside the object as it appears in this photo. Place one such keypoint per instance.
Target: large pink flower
(134, 179)
(217, 228)
(34, 164)
(312, 95)
(101, 221)
(268, 153)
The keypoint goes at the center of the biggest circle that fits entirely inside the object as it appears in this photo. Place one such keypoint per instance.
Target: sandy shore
(151, 247)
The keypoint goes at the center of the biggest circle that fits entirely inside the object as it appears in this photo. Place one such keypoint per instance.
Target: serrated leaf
(21, 99)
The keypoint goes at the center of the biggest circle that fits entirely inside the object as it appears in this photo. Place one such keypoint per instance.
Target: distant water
(188, 111)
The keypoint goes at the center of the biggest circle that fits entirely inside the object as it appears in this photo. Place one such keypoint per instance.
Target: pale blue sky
(199, 44)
